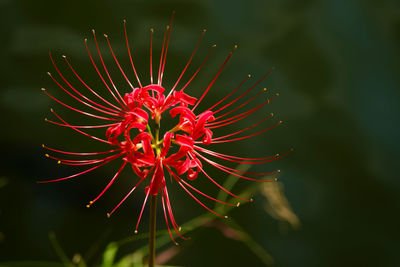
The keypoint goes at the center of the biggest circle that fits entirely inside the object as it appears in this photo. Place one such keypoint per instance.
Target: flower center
(143, 144)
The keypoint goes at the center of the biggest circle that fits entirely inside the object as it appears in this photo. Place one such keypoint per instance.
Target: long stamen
(101, 76)
(77, 110)
(215, 77)
(244, 114)
(77, 174)
(201, 65)
(235, 170)
(245, 129)
(114, 113)
(82, 162)
(81, 126)
(247, 136)
(218, 166)
(80, 154)
(247, 91)
(116, 61)
(222, 100)
(130, 56)
(188, 63)
(218, 185)
(166, 218)
(126, 196)
(266, 159)
(241, 159)
(80, 100)
(118, 109)
(151, 57)
(242, 105)
(141, 212)
(108, 185)
(229, 156)
(196, 199)
(122, 103)
(166, 48)
(177, 228)
(203, 194)
(79, 131)
(162, 56)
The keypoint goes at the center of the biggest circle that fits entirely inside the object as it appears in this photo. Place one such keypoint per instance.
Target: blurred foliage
(229, 227)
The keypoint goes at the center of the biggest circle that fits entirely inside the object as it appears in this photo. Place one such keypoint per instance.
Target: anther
(226, 217)
(136, 231)
(93, 31)
(276, 180)
(214, 46)
(108, 215)
(278, 170)
(152, 30)
(249, 75)
(238, 204)
(46, 120)
(277, 94)
(280, 122)
(64, 56)
(105, 35)
(52, 110)
(58, 162)
(167, 27)
(85, 40)
(272, 114)
(124, 21)
(276, 155)
(251, 200)
(43, 145)
(48, 73)
(180, 228)
(47, 155)
(265, 89)
(204, 30)
(176, 244)
(87, 206)
(43, 89)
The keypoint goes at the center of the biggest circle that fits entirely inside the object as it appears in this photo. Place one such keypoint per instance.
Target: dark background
(337, 72)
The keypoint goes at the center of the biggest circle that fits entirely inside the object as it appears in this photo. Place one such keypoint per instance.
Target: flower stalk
(152, 237)
(153, 201)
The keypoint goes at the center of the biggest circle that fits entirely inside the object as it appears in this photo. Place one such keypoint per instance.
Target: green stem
(152, 237)
(157, 134)
(153, 202)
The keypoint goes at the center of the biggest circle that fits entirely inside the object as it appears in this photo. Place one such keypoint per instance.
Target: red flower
(131, 138)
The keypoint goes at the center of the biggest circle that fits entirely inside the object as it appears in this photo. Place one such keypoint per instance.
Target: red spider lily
(128, 132)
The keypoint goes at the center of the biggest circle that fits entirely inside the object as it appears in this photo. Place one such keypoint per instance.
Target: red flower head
(148, 152)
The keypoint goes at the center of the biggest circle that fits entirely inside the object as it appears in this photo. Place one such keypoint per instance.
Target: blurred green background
(337, 72)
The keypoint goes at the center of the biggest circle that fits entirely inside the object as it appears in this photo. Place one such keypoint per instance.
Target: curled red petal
(166, 144)
(157, 178)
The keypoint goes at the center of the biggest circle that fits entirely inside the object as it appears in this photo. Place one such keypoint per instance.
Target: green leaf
(60, 252)
(244, 237)
(109, 254)
(133, 259)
